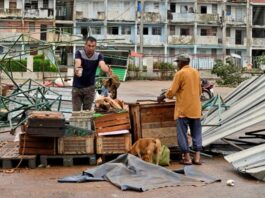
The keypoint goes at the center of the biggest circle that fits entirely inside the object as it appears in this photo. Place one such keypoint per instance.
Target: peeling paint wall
(207, 40)
(180, 40)
(259, 42)
(121, 10)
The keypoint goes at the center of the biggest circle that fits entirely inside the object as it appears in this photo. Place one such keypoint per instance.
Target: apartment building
(206, 29)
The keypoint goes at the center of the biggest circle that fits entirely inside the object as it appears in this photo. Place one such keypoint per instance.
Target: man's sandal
(185, 162)
(196, 162)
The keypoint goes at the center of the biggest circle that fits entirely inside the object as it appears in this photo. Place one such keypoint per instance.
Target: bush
(229, 73)
(15, 65)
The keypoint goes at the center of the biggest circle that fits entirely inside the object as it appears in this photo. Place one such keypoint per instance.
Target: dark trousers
(83, 97)
(196, 134)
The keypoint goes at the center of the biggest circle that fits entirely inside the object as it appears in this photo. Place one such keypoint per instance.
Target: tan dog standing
(146, 149)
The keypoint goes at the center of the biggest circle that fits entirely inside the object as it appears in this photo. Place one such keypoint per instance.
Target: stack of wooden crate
(41, 132)
(112, 133)
(79, 138)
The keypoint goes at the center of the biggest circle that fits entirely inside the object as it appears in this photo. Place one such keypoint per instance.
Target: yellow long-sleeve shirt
(186, 86)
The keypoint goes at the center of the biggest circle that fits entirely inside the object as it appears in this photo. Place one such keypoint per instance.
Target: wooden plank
(37, 151)
(159, 124)
(113, 128)
(113, 116)
(167, 135)
(136, 119)
(37, 145)
(112, 122)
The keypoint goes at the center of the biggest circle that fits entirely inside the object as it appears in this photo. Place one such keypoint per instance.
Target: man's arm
(104, 67)
(174, 86)
(77, 65)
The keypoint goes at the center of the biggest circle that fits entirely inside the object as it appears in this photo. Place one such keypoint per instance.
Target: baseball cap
(182, 57)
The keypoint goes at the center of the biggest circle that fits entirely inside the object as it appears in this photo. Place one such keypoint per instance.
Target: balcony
(235, 20)
(183, 17)
(258, 42)
(230, 41)
(9, 36)
(10, 13)
(207, 40)
(207, 18)
(152, 17)
(119, 38)
(39, 13)
(180, 40)
(151, 40)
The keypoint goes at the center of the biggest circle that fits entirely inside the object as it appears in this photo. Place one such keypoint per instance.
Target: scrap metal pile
(242, 126)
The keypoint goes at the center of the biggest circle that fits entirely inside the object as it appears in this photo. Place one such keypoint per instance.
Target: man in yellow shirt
(186, 87)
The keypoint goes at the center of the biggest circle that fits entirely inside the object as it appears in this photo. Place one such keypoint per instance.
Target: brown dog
(146, 149)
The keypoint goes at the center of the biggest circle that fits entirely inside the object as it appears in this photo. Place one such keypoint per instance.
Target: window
(34, 5)
(183, 9)
(126, 30)
(145, 31)
(1, 6)
(156, 6)
(12, 4)
(84, 32)
(156, 31)
(113, 30)
(31, 27)
(214, 8)
(172, 30)
(214, 52)
(173, 7)
(96, 30)
(33, 50)
(227, 51)
(184, 32)
(228, 10)
(228, 32)
(1, 49)
(203, 32)
(43, 34)
(45, 3)
(203, 9)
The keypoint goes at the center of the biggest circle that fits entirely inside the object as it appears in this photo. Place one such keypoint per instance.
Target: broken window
(184, 32)
(173, 7)
(203, 9)
(239, 37)
(145, 31)
(113, 30)
(96, 30)
(156, 31)
(172, 30)
(126, 30)
(31, 26)
(228, 32)
(258, 33)
(258, 15)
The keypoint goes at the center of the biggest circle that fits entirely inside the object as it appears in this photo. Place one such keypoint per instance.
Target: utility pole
(141, 35)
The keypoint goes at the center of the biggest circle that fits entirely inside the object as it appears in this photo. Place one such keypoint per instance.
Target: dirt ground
(42, 182)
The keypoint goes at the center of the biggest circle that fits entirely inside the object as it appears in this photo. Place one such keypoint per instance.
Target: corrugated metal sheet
(247, 107)
(251, 161)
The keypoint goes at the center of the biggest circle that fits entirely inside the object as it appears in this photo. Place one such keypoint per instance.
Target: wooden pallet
(10, 157)
(68, 160)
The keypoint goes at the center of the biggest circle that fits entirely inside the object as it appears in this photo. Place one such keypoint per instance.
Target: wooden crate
(154, 120)
(81, 119)
(76, 145)
(114, 144)
(112, 122)
(30, 145)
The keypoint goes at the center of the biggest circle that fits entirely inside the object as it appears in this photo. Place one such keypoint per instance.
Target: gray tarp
(131, 173)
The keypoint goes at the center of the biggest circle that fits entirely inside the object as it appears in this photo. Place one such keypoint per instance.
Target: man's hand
(161, 98)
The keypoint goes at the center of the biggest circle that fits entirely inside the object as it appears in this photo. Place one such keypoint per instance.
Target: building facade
(206, 29)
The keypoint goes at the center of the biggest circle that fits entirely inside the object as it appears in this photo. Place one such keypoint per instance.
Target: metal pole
(141, 34)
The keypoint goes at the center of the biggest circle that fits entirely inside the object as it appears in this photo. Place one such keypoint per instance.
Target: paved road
(42, 182)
